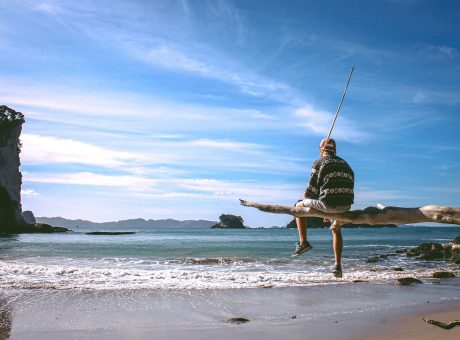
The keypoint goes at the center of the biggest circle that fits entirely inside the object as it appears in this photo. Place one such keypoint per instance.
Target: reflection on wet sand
(5, 320)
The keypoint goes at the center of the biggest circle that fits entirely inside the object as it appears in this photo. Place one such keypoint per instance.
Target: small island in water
(227, 221)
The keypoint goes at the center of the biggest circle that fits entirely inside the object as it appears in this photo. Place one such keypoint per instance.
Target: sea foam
(24, 274)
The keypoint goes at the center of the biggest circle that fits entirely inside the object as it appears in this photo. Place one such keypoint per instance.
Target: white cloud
(47, 7)
(94, 108)
(39, 149)
(213, 67)
(319, 122)
(175, 188)
(28, 192)
(135, 183)
(159, 158)
(226, 145)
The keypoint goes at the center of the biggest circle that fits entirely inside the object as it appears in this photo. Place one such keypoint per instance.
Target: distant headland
(129, 223)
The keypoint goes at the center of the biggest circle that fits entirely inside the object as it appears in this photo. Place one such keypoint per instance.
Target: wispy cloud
(39, 149)
(214, 67)
(133, 183)
(319, 122)
(171, 154)
(28, 192)
(226, 145)
(177, 188)
(135, 112)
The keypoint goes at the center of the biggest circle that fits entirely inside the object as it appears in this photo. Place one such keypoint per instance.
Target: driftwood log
(449, 325)
(370, 215)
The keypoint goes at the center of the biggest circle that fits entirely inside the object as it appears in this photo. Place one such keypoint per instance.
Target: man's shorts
(319, 205)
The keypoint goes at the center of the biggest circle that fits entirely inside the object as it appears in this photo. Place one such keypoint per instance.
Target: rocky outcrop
(430, 251)
(10, 147)
(435, 251)
(237, 321)
(28, 217)
(406, 281)
(7, 210)
(37, 228)
(443, 275)
(11, 217)
(229, 221)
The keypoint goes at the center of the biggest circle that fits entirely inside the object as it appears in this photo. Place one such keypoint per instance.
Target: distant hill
(133, 223)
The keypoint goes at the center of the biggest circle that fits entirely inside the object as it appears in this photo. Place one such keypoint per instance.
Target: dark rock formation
(373, 259)
(436, 251)
(35, 228)
(10, 147)
(229, 221)
(28, 217)
(406, 281)
(291, 224)
(11, 219)
(7, 210)
(443, 275)
(398, 269)
(111, 233)
(428, 251)
(237, 320)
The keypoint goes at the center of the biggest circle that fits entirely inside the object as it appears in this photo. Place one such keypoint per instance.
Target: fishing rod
(338, 109)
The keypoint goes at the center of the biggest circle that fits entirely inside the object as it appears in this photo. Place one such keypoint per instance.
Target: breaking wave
(93, 274)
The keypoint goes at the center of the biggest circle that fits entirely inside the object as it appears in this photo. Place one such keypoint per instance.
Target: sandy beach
(342, 311)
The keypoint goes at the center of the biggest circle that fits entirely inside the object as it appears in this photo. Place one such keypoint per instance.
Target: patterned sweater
(332, 181)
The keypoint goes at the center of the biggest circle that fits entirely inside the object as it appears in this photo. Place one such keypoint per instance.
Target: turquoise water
(209, 258)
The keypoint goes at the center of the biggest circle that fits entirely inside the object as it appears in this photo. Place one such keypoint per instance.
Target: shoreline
(350, 311)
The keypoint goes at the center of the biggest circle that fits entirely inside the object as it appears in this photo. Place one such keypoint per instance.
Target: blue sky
(175, 109)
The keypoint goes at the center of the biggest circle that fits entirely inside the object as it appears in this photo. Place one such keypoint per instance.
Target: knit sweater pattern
(331, 181)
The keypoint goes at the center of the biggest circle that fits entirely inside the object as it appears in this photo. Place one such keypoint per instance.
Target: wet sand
(342, 311)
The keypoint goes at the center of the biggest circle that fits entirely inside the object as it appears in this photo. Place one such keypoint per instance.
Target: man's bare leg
(301, 225)
(301, 228)
(337, 245)
(302, 246)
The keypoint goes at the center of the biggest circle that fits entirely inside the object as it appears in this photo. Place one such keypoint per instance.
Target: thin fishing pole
(340, 105)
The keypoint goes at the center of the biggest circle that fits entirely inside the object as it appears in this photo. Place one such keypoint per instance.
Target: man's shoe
(301, 248)
(337, 271)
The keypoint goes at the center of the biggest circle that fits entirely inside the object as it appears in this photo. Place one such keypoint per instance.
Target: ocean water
(210, 258)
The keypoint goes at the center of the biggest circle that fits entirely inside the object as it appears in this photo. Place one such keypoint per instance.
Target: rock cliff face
(11, 218)
(10, 147)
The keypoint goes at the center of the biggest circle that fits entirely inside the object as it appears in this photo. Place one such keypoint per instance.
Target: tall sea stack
(10, 176)
(12, 219)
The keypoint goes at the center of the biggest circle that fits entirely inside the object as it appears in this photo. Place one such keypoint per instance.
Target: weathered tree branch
(448, 325)
(371, 215)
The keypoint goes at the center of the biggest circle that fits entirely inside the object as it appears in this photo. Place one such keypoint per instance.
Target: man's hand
(336, 225)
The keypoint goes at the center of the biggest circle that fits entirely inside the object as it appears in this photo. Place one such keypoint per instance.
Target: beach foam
(90, 274)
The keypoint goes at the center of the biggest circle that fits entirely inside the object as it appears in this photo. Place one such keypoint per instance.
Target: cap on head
(329, 146)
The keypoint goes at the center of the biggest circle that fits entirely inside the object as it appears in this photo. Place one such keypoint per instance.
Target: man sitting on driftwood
(330, 189)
